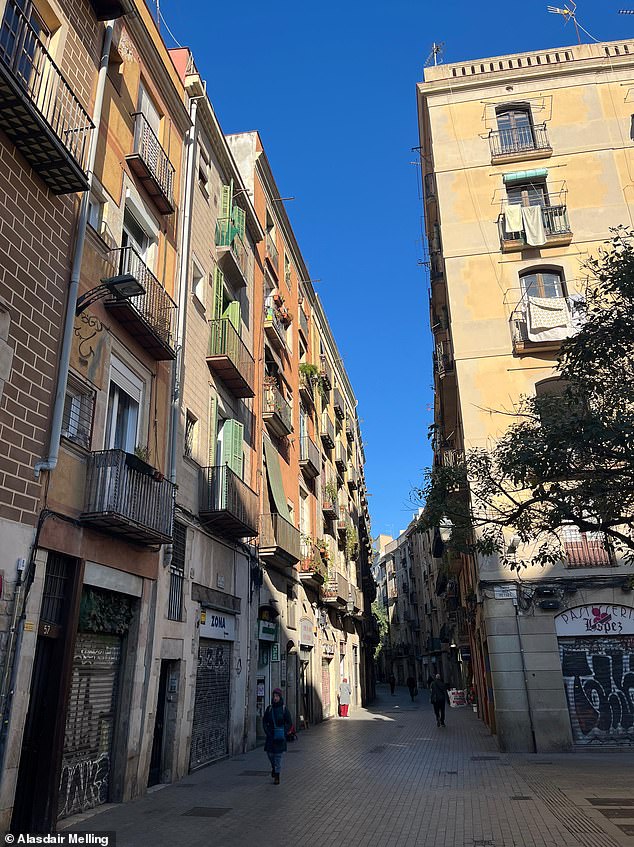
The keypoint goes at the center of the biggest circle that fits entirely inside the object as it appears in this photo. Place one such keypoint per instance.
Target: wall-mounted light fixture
(122, 287)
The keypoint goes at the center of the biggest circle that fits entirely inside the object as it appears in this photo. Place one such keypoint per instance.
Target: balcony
(522, 142)
(38, 110)
(312, 568)
(436, 266)
(233, 257)
(151, 165)
(342, 527)
(557, 232)
(150, 317)
(127, 497)
(540, 324)
(349, 429)
(327, 431)
(352, 478)
(229, 359)
(329, 504)
(303, 324)
(276, 411)
(106, 10)
(443, 359)
(429, 181)
(585, 549)
(309, 457)
(272, 253)
(340, 457)
(274, 328)
(338, 404)
(335, 590)
(226, 504)
(325, 372)
(279, 541)
(306, 389)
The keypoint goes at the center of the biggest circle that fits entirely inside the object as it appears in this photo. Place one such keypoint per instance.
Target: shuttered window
(177, 573)
(232, 440)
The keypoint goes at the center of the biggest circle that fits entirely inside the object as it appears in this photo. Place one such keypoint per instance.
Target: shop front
(210, 726)
(596, 648)
(268, 653)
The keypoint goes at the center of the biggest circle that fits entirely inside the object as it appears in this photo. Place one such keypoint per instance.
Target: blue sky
(331, 88)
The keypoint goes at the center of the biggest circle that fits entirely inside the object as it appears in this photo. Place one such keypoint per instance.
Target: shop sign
(218, 625)
(328, 649)
(267, 631)
(596, 619)
(275, 652)
(306, 632)
(342, 648)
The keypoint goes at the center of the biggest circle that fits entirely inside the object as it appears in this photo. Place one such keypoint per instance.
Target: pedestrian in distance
(411, 684)
(392, 681)
(439, 697)
(277, 724)
(344, 697)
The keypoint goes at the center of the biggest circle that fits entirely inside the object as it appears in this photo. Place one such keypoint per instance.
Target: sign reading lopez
(596, 619)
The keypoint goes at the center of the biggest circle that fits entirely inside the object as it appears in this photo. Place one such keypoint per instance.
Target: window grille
(177, 573)
(78, 412)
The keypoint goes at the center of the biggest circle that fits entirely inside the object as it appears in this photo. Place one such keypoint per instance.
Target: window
(542, 283)
(528, 193)
(124, 404)
(177, 573)
(198, 283)
(78, 412)
(229, 445)
(134, 235)
(191, 428)
(515, 127)
(115, 69)
(147, 107)
(585, 549)
(203, 171)
(290, 607)
(287, 271)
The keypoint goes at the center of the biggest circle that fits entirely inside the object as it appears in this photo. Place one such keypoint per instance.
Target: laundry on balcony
(533, 221)
(513, 218)
(548, 319)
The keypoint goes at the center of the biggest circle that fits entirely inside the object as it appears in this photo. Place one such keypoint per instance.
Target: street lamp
(445, 527)
(122, 287)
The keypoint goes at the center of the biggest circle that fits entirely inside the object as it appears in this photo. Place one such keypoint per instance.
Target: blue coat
(282, 717)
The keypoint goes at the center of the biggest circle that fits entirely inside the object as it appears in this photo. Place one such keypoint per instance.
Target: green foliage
(567, 457)
(352, 541)
(311, 372)
(331, 491)
(381, 619)
(104, 612)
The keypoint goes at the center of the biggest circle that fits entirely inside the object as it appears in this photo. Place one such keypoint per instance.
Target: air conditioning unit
(549, 605)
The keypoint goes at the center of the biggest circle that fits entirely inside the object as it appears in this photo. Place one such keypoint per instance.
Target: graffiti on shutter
(325, 686)
(89, 723)
(210, 728)
(599, 680)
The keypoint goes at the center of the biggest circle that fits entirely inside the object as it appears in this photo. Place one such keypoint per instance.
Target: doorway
(154, 775)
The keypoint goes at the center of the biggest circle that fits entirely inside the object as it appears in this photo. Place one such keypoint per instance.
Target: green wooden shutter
(232, 440)
(219, 287)
(213, 429)
(233, 313)
(239, 221)
(225, 200)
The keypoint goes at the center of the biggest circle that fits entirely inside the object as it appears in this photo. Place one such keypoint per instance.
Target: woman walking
(345, 693)
(277, 722)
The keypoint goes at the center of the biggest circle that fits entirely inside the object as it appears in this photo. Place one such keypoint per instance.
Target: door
(90, 723)
(154, 776)
(210, 728)
(599, 681)
(325, 687)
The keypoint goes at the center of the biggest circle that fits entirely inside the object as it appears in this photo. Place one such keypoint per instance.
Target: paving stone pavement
(388, 776)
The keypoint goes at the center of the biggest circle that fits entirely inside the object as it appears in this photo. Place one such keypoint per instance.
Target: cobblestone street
(388, 776)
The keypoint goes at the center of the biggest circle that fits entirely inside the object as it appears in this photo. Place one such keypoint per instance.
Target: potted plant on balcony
(352, 541)
(331, 491)
(139, 460)
(322, 546)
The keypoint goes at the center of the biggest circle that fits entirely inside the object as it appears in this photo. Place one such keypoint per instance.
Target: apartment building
(93, 109)
(525, 164)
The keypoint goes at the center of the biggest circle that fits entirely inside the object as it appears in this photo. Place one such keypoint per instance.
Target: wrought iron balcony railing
(335, 589)
(128, 497)
(273, 326)
(151, 164)
(38, 108)
(523, 139)
(311, 566)
(436, 267)
(303, 323)
(327, 431)
(277, 411)
(325, 371)
(309, 457)
(229, 358)
(340, 457)
(232, 251)
(338, 403)
(555, 223)
(272, 251)
(307, 388)
(149, 317)
(279, 540)
(227, 504)
(443, 359)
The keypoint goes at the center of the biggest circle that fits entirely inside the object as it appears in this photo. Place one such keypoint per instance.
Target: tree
(567, 458)
(381, 619)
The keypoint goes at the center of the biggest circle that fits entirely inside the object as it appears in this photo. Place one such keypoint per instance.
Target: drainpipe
(183, 274)
(50, 463)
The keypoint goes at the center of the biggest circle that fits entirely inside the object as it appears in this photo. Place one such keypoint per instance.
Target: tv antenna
(569, 13)
(436, 54)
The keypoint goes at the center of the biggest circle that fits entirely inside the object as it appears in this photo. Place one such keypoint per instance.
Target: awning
(525, 176)
(274, 476)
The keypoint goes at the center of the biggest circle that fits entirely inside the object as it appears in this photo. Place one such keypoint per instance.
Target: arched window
(542, 283)
(515, 126)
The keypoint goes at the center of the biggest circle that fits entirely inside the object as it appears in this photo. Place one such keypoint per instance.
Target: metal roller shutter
(325, 686)
(210, 728)
(90, 723)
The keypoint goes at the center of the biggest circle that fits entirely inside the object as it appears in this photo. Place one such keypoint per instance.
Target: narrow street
(388, 776)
